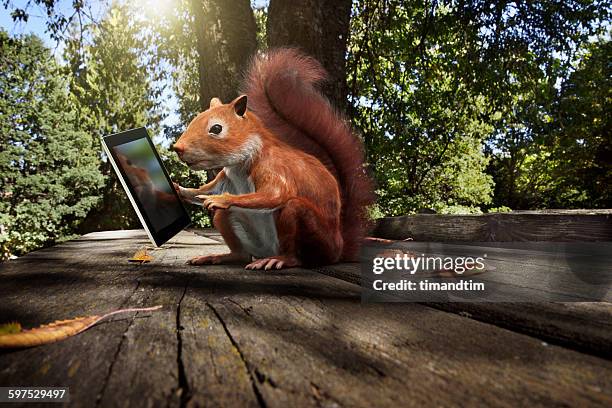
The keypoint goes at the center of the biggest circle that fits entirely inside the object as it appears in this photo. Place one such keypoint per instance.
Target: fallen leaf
(9, 328)
(393, 252)
(379, 240)
(13, 336)
(141, 256)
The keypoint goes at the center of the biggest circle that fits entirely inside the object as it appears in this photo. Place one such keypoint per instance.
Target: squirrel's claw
(274, 262)
(177, 188)
(213, 202)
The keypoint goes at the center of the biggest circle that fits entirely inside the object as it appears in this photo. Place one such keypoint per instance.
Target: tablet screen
(147, 183)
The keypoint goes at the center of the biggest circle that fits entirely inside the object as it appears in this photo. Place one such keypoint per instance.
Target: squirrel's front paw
(214, 202)
(177, 188)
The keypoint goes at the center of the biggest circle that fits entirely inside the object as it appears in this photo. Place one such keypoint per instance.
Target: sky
(36, 24)
(37, 18)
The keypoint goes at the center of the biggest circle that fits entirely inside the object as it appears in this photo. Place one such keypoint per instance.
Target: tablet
(147, 184)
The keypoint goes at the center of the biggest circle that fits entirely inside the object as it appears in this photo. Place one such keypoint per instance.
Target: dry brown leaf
(393, 252)
(379, 240)
(13, 336)
(9, 328)
(141, 256)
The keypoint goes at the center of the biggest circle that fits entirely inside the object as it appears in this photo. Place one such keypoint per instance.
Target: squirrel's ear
(240, 105)
(215, 102)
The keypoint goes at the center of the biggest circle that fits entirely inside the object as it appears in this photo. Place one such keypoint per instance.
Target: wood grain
(581, 326)
(231, 337)
(560, 226)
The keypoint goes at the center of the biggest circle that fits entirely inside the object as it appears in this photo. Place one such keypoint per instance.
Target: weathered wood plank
(64, 282)
(144, 370)
(309, 350)
(592, 225)
(215, 372)
(229, 337)
(127, 361)
(157, 354)
(338, 352)
(577, 271)
(585, 327)
(582, 326)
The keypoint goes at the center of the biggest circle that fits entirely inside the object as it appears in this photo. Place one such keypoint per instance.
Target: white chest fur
(238, 180)
(255, 228)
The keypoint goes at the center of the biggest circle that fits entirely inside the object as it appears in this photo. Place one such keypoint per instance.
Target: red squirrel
(293, 189)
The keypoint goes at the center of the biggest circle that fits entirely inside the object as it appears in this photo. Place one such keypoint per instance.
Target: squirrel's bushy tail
(282, 89)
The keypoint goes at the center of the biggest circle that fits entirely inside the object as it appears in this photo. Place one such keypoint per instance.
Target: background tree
(423, 126)
(569, 162)
(321, 29)
(463, 106)
(583, 132)
(114, 88)
(49, 177)
(519, 58)
(423, 74)
(226, 40)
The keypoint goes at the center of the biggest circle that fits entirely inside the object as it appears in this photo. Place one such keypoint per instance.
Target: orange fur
(306, 173)
(282, 90)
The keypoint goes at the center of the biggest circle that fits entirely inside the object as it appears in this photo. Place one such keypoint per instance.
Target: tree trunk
(320, 28)
(226, 40)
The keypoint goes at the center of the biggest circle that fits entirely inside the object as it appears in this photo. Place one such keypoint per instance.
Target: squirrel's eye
(215, 129)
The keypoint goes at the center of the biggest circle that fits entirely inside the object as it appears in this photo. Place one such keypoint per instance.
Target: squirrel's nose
(179, 148)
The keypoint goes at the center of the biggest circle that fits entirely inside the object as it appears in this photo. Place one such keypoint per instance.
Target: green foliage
(436, 82)
(423, 127)
(113, 79)
(261, 20)
(114, 87)
(561, 155)
(175, 43)
(49, 177)
(581, 146)
(502, 209)
(524, 54)
(115, 97)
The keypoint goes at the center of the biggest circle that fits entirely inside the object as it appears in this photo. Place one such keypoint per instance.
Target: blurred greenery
(111, 97)
(49, 176)
(463, 108)
(471, 106)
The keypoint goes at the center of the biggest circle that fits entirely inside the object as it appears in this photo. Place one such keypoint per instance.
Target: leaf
(379, 240)
(13, 336)
(9, 328)
(141, 256)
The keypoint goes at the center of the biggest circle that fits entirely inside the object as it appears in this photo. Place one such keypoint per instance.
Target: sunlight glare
(157, 8)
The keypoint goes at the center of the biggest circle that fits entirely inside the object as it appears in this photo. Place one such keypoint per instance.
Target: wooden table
(231, 337)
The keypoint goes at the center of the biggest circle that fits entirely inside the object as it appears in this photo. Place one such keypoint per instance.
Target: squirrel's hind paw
(217, 259)
(274, 262)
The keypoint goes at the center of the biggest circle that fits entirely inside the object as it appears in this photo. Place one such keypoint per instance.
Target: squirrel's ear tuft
(215, 102)
(240, 105)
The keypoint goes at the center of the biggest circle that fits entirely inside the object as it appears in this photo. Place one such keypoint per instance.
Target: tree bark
(320, 28)
(226, 40)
